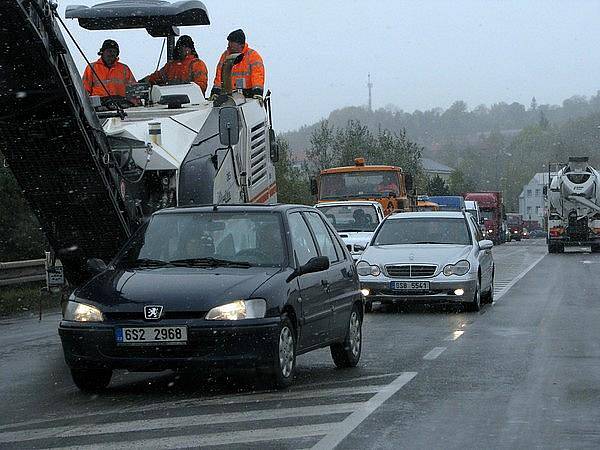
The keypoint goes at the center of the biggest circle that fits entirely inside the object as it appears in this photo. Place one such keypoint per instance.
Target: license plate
(152, 335)
(409, 285)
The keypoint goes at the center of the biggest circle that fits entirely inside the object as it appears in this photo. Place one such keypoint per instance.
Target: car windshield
(350, 218)
(208, 238)
(426, 230)
(359, 184)
(487, 214)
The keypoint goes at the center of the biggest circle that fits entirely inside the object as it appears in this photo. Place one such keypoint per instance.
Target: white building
(531, 200)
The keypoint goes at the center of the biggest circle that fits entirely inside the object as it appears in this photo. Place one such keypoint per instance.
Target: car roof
(427, 214)
(241, 208)
(348, 203)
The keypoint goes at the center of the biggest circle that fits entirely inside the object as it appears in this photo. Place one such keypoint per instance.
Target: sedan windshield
(208, 239)
(423, 231)
(347, 218)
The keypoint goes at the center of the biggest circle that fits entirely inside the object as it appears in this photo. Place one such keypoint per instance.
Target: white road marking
(226, 438)
(339, 432)
(433, 354)
(211, 401)
(176, 422)
(515, 280)
(455, 335)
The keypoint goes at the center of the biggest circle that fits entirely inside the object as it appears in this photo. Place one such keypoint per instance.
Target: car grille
(411, 270)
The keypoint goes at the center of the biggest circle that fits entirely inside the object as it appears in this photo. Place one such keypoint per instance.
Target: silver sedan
(428, 257)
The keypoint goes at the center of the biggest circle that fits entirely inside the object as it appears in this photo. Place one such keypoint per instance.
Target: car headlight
(238, 310)
(460, 268)
(80, 312)
(364, 268)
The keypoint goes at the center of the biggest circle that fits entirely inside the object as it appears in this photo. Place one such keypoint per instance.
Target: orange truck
(388, 185)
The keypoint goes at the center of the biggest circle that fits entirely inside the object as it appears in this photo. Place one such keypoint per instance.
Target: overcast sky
(421, 54)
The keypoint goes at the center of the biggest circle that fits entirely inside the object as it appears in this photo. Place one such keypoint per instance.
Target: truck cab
(355, 222)
(390, 186)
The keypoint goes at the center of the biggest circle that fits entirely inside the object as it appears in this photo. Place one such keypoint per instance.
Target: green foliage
(459, 183)
(292, 183)
(20, 233)
(332, 147)
(437, 186)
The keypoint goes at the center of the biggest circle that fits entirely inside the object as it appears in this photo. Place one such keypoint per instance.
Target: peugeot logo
(411, 257)
(152, 312)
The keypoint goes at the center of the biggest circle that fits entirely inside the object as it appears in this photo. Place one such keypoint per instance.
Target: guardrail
(17, 272)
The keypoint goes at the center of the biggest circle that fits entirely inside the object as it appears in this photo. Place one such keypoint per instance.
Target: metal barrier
(17, 272)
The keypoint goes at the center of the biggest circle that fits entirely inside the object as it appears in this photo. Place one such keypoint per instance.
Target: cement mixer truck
(573, 206)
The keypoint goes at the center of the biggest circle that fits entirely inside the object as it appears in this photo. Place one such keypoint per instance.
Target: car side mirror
(316, 264)
(359, 248)
(408, 182)
(229, 126)
(486, 244)
(314, 190)
(95, 266)
(274, 146)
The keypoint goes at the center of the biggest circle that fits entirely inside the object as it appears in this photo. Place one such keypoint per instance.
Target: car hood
(176, 288)
(439, 254)
(356, 237)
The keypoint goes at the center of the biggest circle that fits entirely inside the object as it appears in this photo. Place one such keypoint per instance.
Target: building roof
(429, 165)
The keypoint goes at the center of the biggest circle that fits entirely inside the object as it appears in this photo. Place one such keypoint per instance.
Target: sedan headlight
(79, 312)
(364, 268)
(460, 268)
(238, 310)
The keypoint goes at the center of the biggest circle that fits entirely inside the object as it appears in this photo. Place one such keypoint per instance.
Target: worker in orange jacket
(248, 74)
(185, 68)
(109, 77)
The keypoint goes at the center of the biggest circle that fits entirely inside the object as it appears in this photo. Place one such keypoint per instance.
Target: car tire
(489, 296)
(91, 380)
(475, 305)
(347, 354)
(284, 363)
(368, 307)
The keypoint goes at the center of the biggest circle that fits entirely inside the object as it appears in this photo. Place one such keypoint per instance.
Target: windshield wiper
(147, 262)
(351, 230)
(209, 262)
(426, 242)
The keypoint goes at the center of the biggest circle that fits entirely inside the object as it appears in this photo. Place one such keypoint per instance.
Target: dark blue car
(217, 287)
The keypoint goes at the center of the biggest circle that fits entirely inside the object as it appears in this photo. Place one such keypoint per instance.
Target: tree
(544, 122)
(292, 182)
(437, 186)
(321, 154)
(459, 183)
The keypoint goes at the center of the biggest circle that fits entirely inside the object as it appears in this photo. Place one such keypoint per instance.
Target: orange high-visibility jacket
(115, 79)
(190, 69)
(249, 73)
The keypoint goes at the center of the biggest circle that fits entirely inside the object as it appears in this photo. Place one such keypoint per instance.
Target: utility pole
(370, 86)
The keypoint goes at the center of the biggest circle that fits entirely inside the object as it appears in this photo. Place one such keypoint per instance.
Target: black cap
(185, 41)
(237, 36)
(109, 43)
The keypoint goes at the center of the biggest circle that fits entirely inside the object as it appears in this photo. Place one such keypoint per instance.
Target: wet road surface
(524, 372)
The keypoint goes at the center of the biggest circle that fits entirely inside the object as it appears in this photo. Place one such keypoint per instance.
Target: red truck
(492, 210)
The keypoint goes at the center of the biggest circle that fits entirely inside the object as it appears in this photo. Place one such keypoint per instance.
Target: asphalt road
(522, 373)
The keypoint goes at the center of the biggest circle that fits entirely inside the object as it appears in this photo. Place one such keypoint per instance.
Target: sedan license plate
(152, 335)
(409, 285)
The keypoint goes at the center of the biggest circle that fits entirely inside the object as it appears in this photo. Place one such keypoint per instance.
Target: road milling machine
(573, 205)
(93, 170)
